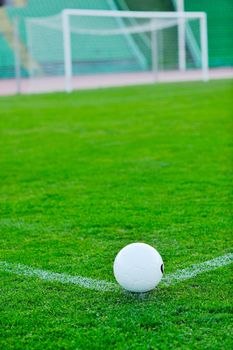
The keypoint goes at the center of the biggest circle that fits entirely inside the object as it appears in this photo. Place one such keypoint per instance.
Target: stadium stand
(146, 5)
(220, 28)
(220, 24)
(220, 19)
(34, 8)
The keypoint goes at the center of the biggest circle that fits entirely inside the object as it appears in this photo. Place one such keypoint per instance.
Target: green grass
(84, 174)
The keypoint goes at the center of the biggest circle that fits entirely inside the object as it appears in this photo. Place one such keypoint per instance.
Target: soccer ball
(138, 267)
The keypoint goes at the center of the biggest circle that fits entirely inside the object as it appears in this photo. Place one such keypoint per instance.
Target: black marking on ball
(162, 269)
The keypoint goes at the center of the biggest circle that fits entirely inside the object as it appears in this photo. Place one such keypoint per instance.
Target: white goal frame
(181, 16)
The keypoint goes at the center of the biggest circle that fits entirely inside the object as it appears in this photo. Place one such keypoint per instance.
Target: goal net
(88, 42)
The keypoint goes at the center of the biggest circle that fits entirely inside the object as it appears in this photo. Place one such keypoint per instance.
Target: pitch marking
(85, 282)
(196, 269)
(99, 285)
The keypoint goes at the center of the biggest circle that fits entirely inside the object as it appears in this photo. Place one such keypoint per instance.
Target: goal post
(204, 48)
(67, 51)
(86, 42)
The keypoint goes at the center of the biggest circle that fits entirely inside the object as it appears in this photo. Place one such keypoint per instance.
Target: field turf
(84, 174)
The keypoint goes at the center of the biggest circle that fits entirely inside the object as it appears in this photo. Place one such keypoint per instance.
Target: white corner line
(197, 269)
(104, 286)
(85, 282)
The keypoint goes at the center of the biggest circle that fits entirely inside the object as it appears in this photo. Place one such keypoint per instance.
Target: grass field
(84, 174)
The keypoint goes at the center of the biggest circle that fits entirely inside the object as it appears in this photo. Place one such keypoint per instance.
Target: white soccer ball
(138, 267)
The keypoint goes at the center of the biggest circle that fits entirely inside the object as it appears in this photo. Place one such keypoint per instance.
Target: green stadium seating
(220, 29)
(220, 24)
(35, 8)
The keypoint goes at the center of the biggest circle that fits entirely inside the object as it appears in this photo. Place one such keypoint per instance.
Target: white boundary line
(196, 269)
(104, 286)
(85, 282)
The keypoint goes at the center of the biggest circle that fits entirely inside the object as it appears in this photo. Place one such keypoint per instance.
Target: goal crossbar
(134, 14)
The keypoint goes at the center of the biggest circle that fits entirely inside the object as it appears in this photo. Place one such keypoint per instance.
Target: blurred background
(110, 51)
